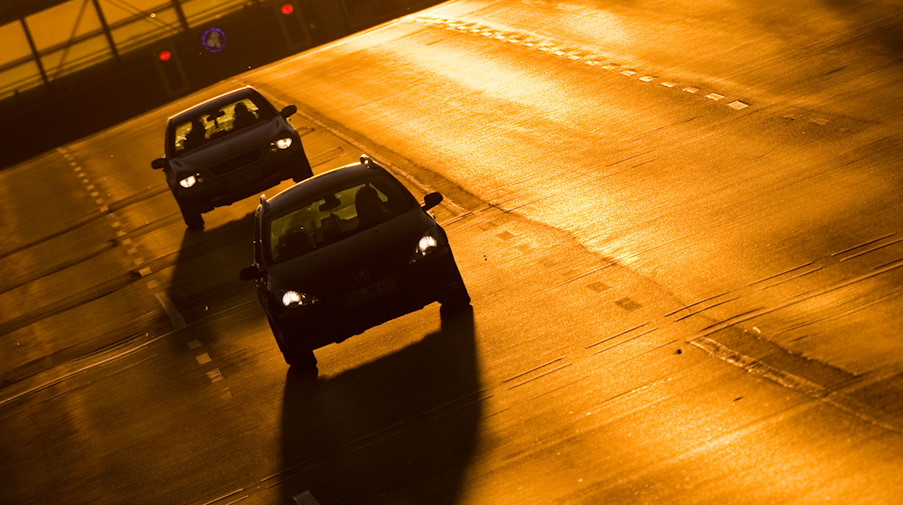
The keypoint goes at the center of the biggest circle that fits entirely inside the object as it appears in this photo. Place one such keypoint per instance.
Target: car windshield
(334, 216)
(209, 125)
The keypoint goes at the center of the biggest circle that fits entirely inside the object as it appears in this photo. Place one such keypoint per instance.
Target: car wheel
(193, 219)
(457, 298)
(302, 174)
(296, 356)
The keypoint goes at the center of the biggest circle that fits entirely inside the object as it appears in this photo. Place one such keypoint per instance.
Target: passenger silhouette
(243, 116)
(370, 209)
(197, 135)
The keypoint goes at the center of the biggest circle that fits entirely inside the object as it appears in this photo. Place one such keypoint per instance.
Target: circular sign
(214, 40)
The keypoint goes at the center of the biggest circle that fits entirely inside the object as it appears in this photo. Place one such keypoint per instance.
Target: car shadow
(205, 270)
(400, 429)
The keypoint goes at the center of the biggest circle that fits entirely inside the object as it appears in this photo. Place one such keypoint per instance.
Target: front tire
(193, 219)
(297, 356)
(456, 299)
(304, 173)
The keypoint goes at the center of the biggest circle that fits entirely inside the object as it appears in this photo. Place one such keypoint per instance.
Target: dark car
(228, 148)
(344, 251)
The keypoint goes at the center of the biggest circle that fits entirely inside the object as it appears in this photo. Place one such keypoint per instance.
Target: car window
(334, 216)
(213, 124)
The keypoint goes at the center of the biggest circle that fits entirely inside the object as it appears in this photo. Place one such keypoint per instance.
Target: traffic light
(292, 24)
(170, 70)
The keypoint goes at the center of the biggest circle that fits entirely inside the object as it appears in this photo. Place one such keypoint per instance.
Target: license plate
(243, 178)
(369, 292)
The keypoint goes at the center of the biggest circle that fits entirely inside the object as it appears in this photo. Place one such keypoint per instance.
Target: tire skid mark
(59, 267)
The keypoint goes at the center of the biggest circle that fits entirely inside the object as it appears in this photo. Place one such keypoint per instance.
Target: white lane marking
(215, 375)
(737, 105)
(668, 84)
(647, 78)
(714, 96)
(228, 495)
(691, 89)
(305, 498)
(203, 358)
(178, 322)
(194, 344)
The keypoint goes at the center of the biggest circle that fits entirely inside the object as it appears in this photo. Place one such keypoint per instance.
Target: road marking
(227, 495)
(214, 375)
(178, 322)
(203, 359)
(64, 377)
(305, 498)
(194, 344)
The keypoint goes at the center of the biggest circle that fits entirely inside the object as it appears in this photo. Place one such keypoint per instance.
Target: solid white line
(64, 377)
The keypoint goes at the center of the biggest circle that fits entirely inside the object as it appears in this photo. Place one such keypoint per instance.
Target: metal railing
(134, 28)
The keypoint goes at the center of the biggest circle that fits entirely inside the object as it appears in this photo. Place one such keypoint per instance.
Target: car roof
(319, 184)
(215, 103)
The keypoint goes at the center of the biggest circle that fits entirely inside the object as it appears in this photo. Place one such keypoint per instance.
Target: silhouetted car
(344, 251)
(228, 148)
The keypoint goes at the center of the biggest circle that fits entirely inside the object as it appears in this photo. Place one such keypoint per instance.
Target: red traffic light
(287, 8)
(165, 55)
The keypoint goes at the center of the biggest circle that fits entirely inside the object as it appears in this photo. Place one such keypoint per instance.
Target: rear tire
(193, 219)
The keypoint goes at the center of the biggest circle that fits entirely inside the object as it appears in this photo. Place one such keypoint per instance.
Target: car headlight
(427, 244)
(190, 181)
(281, 144)
(292, 298)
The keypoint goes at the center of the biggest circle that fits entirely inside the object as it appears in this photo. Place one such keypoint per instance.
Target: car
(344, 251)
(229, 148)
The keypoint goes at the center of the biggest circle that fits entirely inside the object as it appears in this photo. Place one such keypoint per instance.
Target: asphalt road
(678, 224)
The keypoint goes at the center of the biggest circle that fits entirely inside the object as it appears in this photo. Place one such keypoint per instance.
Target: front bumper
(348, 313)
(217, 191)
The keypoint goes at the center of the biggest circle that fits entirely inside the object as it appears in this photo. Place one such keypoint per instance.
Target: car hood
(234, 145)
(358, 260)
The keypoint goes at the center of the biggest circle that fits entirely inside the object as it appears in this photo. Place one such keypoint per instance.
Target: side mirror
(288, 111)
(431, 200)
(160, 163)
(251, 273)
